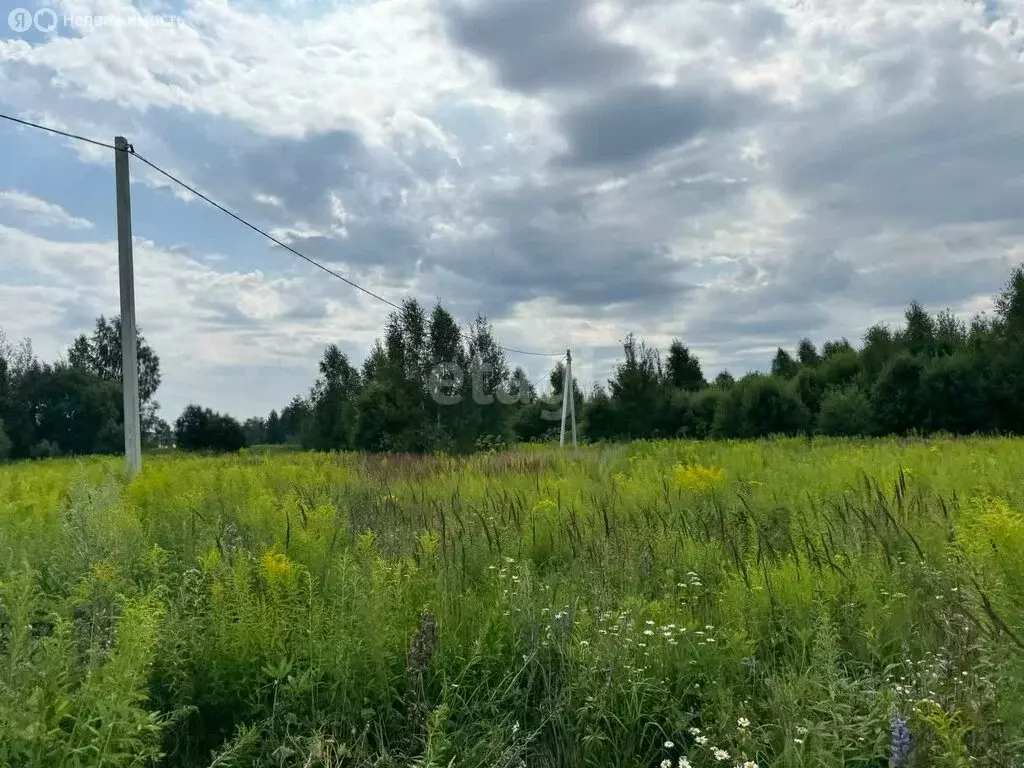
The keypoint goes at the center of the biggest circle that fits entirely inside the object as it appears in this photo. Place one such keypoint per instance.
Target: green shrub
(845, 412)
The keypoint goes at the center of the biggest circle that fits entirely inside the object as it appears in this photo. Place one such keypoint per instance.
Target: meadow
(668, 604)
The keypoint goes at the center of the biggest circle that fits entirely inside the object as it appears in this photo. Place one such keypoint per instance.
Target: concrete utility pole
(129, 352)
(568, 402)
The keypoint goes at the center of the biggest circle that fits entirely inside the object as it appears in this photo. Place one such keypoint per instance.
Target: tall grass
(789, 603)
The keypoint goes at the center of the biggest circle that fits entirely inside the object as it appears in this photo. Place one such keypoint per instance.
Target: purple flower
(899, 743)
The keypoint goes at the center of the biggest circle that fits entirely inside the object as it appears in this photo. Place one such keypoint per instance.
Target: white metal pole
(565, 398)
(129, 353)
(572, 399)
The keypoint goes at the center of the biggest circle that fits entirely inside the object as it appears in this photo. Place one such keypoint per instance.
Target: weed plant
(787, 603)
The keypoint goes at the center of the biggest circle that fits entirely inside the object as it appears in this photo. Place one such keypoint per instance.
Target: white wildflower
(669, 745)
(666, 764)
(743, 722)
(694, 730)
(798, 741)
(719, 754)
(701, 740)
(684, 763)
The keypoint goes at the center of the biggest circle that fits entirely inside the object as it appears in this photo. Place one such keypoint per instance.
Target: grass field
(789, 603)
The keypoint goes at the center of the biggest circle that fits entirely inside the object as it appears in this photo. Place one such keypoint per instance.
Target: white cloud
(200, 320)
(29, 210)
(870, 158)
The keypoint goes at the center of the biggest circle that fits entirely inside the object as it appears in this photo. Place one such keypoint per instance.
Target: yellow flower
(276, 568)
(544, 505)
(696, 477)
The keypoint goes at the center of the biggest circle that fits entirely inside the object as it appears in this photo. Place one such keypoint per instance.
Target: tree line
(427, 385)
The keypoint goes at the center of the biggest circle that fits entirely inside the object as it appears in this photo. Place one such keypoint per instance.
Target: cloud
(631, 123)
(536, 45)
(31, 211)
(738, 173)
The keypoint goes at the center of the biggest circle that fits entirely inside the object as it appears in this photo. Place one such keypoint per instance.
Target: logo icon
(20, 20)
(45, 19)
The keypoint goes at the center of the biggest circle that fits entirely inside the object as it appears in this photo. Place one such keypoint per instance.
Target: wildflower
(669, 745)
(701, 740)
(899, 743)
(684, 763)
(697, 478)
(797, 741)
(719, 754)
(666, 764)
(749, 764)
(276, 568)
(743, 722)
(801, 730)
(694, 731)
(647, 632)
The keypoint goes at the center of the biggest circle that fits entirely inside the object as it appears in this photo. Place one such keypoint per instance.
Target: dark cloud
(954, 159)
(536, 45)
(631, 123)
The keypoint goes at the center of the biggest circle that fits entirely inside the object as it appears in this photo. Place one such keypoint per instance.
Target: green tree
(1010, 306)
(880, 346)
(955, 395)
(5, 443)
(758, 406)
(896, 396)
(807, 354)
(677, 414)
(64, 410)
(600, 421)
(835, 347)
(703, 409)
(636, 390)
(950, 333)
(836, 370)
(488, 382)
(845, 412)
(333, 403)
(275, 430)
(724, 380)
(683, 368)
(158, 435)
(918, 337)
(100, 354)
(200, 429)
(293, 420)
(255, 429)
(783, 365)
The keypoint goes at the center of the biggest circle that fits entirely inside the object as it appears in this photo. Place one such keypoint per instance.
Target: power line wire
(30, 124)
(548, 374)
(131, 150)
(302, 256)
(267, 235)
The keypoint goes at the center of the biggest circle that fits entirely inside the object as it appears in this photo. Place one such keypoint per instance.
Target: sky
(735, 174)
